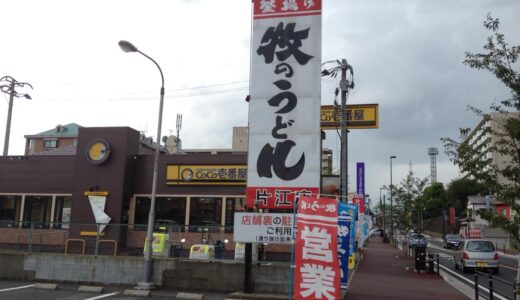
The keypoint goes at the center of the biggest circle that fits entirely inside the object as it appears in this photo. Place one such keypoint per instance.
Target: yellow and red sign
(359, 116)
(206, 174)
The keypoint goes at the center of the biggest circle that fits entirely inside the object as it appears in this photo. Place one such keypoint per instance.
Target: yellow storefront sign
(206, 174)
(359, 116)
(202, 251)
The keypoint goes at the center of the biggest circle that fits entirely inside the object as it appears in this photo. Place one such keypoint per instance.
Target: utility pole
(9, 88)
(344, 85)
(178, 126)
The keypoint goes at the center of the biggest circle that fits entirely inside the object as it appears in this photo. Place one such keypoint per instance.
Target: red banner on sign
(359, 200)
(317, 273)
(276, 197)
(285, 8)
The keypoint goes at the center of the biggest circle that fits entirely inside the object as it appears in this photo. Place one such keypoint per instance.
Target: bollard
(438, 268)
(490, 286)
(476, 285)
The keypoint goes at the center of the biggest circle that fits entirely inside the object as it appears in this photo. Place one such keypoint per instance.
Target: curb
(137, 293)
(189, 296)
(90, 289)
(45, 286)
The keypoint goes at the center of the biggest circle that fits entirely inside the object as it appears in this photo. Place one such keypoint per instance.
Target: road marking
(103, 296)
(508, 267)
(17, 288)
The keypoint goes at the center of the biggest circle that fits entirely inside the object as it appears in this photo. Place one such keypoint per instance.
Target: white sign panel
(269, 228)
(284, 109)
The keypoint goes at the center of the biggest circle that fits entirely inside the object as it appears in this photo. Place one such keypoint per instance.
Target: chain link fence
(170, 240)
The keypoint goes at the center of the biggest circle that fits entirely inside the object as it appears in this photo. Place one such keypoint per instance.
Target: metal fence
(170, 240)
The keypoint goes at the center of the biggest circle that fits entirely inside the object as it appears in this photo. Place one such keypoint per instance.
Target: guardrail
(491, 291)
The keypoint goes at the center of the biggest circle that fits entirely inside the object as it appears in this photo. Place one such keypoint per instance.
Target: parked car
(417, 240)
(476, 254)
(452, 241)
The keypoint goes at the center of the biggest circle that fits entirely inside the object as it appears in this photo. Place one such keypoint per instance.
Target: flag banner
(343, 241)
(360, 182)
(317, 274)
(353, 209)
(358, 200)
(452, 215)
(284, 108)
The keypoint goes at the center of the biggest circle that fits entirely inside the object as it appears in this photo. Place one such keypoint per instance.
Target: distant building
(60, 140)
(485, 135)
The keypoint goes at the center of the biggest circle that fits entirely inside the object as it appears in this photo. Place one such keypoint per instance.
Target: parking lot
(16, 290)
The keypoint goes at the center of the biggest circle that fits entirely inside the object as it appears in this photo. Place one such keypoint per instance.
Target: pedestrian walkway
(385, 273)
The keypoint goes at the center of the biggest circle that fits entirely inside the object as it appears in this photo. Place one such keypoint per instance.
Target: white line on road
(102, 296)
(17, 288)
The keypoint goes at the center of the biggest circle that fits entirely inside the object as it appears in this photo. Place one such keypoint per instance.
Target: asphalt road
(24, 290)
(507, 272)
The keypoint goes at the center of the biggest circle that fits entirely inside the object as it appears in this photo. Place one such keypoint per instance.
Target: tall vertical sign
(360, 184)
(343, 241)
(284, 109)
(317, 272)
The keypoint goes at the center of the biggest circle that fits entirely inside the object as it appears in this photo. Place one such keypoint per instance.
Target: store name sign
(359, 116)
(206, 174)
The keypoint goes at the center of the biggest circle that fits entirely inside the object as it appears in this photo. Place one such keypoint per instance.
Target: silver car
(476, 254)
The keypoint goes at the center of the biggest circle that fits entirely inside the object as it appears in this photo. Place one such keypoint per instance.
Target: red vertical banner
(317, 273)
(359, 200)
(452, 215)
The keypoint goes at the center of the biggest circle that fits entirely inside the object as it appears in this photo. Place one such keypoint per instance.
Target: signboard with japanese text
(359, 116)
(206, 174)
(360, 185)
(317, 273)
(272, 228)
(343, 241)
(358, 200)
(284, 125)
(353, 211)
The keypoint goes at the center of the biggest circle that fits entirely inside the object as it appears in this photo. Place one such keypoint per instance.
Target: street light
(382, 207)
(10, 89)
(391, 201)
(148, 284)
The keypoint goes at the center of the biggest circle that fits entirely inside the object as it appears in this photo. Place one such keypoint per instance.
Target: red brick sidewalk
(383, 274)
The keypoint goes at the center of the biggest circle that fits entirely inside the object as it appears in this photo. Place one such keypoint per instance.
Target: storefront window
(234, 205)
(166, 209)
(205, 211)
(37, 211)
(62, 212)
(9, 210)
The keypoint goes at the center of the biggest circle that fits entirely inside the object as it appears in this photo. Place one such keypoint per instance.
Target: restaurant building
(52, 195)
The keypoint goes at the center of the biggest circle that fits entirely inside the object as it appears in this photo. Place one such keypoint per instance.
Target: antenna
(178, 125)
(433, 152)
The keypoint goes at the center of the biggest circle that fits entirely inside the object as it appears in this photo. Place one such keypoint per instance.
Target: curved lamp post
(391, 201)
(10, 89)
(148, 283)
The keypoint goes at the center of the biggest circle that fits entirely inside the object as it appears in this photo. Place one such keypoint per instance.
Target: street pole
(10, 89)
(344, 86)
(8, 125)
(148, 263)
(391, 201)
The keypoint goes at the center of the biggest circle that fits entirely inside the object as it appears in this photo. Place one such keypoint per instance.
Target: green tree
(406, 196)
(503, 180)
(458, 191)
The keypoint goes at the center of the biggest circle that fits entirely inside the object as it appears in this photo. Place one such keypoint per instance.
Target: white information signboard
(272, 228)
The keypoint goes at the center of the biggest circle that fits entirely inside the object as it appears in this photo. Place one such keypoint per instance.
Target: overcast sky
(407, 56)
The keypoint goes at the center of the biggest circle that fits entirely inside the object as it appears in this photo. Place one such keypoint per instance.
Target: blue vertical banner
(343, 241)
(353, 211)
(360, 182)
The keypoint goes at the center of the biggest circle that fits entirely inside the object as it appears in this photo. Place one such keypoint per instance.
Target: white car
(476, 254)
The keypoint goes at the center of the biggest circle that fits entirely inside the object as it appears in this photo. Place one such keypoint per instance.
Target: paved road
(508, 267)
(24, 290)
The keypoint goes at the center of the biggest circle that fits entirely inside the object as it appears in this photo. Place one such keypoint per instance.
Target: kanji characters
(286, 39)
(317, 280)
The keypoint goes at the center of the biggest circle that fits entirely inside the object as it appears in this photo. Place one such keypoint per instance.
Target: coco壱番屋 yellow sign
(206, 174)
